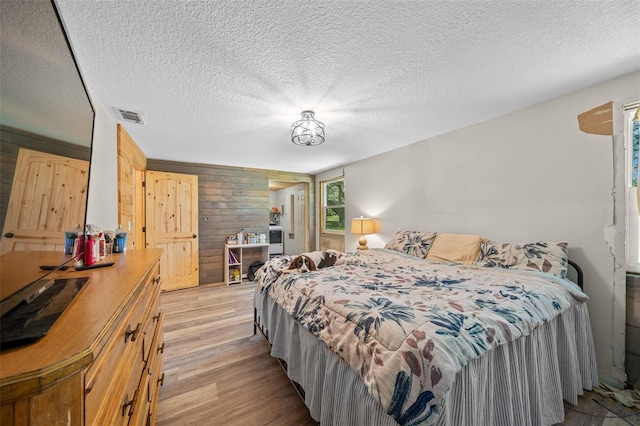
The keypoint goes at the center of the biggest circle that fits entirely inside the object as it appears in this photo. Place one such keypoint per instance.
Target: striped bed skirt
(522, 382)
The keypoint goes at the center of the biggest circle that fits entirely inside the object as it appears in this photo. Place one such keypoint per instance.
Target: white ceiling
(221, 81)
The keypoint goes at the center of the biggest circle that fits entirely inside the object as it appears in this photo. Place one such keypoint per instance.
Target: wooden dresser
(101, 362)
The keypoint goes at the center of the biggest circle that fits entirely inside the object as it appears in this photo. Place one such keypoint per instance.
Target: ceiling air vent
(129, 116)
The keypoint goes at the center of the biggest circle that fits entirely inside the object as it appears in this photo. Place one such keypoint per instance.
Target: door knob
(10, 235)
(194, 236)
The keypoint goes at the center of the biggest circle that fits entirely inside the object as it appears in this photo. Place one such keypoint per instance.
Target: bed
(387, 337)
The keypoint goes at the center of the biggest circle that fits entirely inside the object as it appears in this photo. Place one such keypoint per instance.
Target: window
(333, 206)
(632, 146)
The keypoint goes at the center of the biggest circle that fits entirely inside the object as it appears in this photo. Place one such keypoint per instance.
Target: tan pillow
(457, 248)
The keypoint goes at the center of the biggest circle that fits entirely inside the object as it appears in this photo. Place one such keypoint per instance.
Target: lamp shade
(362, 226)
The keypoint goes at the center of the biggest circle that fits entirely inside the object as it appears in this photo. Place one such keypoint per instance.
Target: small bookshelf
(234, 270)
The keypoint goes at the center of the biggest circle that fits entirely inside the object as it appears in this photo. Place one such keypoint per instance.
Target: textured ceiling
(221, 81)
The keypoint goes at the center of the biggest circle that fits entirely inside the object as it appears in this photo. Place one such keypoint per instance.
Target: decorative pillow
(541, 256)
(457, 248)
(414, 243)
(494, 255)
(549, 257)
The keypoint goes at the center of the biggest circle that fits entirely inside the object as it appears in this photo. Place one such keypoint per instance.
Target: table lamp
(362, 226)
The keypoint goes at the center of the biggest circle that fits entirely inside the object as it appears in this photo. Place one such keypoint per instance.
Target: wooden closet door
(48, 197)
(132, 165)
(172, 224)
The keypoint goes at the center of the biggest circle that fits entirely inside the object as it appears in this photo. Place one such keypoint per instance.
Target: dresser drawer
(134, 391)
(149, 334)
(155, 358)
(156, 381)
(116, 405)
(115, 374)
(155, 365)
(139, 413)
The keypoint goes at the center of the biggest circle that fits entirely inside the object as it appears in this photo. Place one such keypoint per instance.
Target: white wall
(102, 205)
(527, 176)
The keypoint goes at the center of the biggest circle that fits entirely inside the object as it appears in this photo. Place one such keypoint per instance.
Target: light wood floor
(218, 373)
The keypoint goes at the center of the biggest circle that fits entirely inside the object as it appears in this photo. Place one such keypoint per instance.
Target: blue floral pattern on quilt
(408, 325)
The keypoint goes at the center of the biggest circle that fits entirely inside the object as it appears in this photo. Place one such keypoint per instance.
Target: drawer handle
(161, 349)
(161, 379)
(132, 333)
(89, 387)
(156, 280)
(129, 404)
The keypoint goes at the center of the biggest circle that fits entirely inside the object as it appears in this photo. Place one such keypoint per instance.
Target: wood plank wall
(11, 140)
(232, 198)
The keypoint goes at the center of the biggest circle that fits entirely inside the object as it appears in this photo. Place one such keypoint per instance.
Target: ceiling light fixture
(308, 131)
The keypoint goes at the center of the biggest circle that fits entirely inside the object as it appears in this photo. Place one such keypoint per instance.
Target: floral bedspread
(408, 325)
